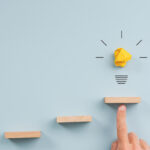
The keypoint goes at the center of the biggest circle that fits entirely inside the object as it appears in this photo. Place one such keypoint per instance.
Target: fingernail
(122, 108)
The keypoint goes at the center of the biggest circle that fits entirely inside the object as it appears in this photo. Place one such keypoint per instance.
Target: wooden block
(69, 119)
(122, 100)
(16, 135)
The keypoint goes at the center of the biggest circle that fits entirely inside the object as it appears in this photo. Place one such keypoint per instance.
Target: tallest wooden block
(122, 100)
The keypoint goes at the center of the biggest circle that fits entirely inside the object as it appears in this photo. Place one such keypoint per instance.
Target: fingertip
(122, 108)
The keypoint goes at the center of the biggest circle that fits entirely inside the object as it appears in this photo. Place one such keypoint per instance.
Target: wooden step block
(69, 119)
(122, 100)
(16, 135)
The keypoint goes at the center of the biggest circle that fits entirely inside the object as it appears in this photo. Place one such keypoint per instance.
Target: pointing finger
(122, 132)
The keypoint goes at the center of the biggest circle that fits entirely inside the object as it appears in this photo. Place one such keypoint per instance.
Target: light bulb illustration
(121, 58)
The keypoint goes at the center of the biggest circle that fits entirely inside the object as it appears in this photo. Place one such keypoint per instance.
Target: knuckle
(144, 142)
(132, 134)
(122, 128)
(141, 140)
(113, 145)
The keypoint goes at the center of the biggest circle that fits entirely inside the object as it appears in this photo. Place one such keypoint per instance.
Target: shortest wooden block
(122, 100)
(69, 119)
(16, 135)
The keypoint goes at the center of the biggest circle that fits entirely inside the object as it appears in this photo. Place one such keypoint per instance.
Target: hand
(126, 141)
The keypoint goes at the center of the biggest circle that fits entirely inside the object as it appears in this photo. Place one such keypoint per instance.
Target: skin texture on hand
(126, 141)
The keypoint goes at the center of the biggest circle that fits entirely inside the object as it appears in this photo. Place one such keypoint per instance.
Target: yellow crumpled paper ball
(121, 57)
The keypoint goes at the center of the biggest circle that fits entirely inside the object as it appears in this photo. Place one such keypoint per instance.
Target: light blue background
(48, 68)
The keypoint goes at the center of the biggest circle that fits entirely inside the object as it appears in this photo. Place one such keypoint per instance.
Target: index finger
(122, 131)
